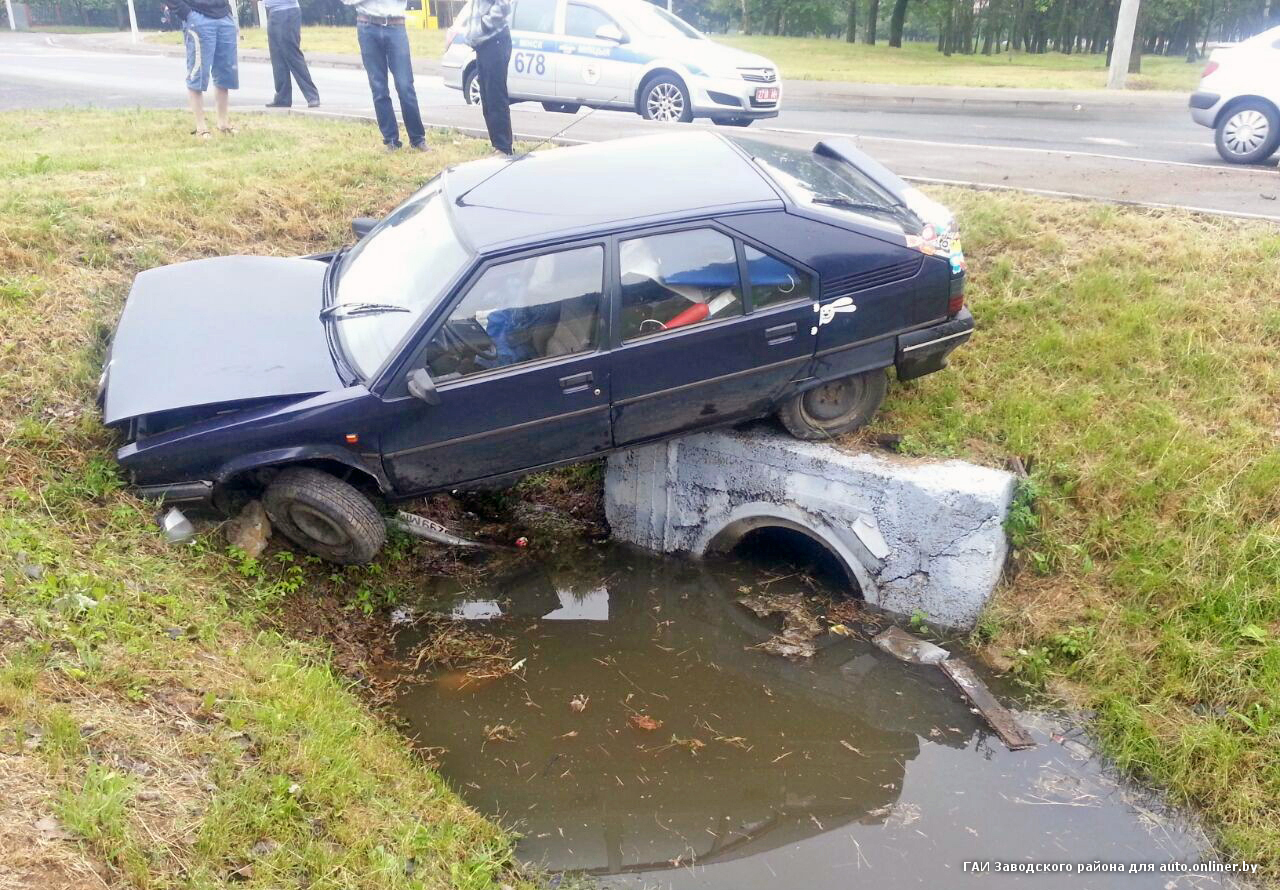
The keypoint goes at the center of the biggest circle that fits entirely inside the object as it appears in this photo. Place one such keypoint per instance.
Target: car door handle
(576, 382)
(783, 333)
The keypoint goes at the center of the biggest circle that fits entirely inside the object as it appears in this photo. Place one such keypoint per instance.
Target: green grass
(146, 706)
(1130, 358)
(915, 64)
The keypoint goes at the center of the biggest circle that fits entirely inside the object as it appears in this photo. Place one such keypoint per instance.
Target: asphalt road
(1151, 156)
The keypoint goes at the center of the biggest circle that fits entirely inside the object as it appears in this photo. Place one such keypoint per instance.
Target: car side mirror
(611, 32)
(422, 387)
(362, 225)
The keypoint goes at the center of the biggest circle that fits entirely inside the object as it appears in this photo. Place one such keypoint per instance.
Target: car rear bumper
(925, 351)
(1204, 108)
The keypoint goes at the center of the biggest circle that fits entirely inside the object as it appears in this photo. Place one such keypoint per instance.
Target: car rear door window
(775, 281)
(584, 21)
(539, 307)
(677, 279)
(534, 15)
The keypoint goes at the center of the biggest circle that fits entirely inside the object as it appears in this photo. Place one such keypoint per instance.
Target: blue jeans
(211, 48)
(385, 48)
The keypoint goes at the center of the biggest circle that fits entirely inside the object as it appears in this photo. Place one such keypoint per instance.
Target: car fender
(661, 64)
(302, 454)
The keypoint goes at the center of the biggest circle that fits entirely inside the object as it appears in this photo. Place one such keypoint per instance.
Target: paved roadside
(1079, 104)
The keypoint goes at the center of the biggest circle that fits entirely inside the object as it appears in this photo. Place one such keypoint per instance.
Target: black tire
(735, 121)
(664, 98)
(471, 86)
(1248, 132)
(835, 408)
(325, 516)
(562, 107)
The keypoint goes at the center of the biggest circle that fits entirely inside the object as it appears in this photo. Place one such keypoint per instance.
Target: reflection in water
(764, 772)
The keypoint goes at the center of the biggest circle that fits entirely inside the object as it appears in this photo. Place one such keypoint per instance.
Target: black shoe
(279, 104)
(420, 146)
(313, 103)
(392, 146)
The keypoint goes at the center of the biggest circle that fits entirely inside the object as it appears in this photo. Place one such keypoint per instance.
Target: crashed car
(513, 315)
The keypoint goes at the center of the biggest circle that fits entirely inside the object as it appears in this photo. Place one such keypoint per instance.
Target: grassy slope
(1131, 357)
(141, 702)
(823, 59)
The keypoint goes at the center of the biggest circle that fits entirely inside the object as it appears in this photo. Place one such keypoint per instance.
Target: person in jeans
(489, 33)
(210, 34)
(384, 47)
(284, 43)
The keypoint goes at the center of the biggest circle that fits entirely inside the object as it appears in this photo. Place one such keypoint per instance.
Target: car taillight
(955, 304)
(1209, 69)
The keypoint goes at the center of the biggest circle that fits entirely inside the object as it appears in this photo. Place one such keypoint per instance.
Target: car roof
(549, 195)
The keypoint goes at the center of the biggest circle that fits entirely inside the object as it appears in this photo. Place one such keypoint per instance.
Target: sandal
(201, 134)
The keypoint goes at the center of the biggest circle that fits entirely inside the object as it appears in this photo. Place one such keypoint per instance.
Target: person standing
(489, 33)
(210, 34)
(284, 44)
(384, 47)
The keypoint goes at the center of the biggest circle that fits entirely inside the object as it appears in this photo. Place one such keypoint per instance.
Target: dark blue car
(517, 314)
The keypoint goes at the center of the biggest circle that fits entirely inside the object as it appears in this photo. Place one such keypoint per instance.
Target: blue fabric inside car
(765, 271)
(511, 331)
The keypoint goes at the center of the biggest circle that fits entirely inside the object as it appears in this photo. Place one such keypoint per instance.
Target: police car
(620, 54)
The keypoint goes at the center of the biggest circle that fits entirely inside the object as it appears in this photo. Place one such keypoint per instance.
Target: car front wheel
(665, 99)
(1248, 133)
(834, 408)
(324, 515)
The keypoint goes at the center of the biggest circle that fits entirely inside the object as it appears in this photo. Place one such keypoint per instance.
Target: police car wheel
(665, 99)
(835, 408)
(734, 121)
(471, 87)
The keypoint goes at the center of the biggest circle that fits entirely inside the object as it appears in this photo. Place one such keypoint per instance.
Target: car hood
(216, 331)
(714, 58)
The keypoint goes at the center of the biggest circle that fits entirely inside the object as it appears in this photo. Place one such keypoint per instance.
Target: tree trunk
(896, 21)
(851, 31)
(869, 32)
(745, 21)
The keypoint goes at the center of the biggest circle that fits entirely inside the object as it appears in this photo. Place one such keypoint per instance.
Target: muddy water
(764, 772)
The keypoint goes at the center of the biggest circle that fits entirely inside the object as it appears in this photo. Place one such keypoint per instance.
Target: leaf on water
(571, 734)
(645, 722)
(841, 630)
(851, 748)
(578, 703)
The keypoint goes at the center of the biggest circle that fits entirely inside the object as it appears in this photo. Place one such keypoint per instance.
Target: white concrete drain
(914, 534)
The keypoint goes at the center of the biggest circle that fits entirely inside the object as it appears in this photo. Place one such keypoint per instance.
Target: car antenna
(461, 200)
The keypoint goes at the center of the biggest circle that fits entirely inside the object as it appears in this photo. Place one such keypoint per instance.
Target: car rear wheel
(324, 515)
(562, 107)
(664, 98)
(1248, 133)
(471, 86)
(835, 408)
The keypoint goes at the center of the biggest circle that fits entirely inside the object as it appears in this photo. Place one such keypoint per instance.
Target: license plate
(767, 94)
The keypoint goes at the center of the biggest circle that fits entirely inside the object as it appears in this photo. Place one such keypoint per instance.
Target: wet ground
(645, 741)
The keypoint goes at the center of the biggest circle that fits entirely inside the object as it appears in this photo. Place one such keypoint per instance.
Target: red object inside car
(695, 313)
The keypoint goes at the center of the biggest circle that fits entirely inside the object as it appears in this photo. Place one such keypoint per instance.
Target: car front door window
(522, 311)
(677, 279)
(584, 21)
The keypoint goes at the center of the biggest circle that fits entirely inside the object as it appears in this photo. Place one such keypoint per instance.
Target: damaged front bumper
(925, 351)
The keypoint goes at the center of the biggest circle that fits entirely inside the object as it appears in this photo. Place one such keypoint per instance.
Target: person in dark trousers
(210, 34)
(489, 33)
(384, 47)
(284, 43)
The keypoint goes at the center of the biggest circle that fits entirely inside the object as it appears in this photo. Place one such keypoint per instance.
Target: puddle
(648, 742)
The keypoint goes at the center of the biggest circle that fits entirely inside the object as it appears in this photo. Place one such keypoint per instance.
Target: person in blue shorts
(210, 33)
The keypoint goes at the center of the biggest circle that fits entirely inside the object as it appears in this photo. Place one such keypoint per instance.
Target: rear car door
(531, 73)
(707, 329)
(519, 372)
(591, 69)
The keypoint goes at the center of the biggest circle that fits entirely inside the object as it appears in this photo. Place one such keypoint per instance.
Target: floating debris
(644, 722)
(903, 646)
(800, 626)
(1003, 722)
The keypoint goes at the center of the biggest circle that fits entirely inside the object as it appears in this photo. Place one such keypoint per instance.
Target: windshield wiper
(850, 204)
(339, 311)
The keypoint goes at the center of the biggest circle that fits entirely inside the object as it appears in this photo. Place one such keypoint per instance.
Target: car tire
(325, 516)
(561, 107)
(664, 98)
(835, 408)
(735, 121)
(471, 86)
(1248, 132)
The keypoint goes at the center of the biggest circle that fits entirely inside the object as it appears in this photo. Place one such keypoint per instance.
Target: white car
(621, 54)
(1239, 98)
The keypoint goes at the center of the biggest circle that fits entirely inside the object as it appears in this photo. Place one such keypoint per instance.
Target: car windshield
(653, 21)
(406, 261)
(814, 179)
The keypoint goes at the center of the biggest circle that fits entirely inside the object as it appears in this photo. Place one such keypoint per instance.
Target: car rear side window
(677, 279)
(522, 311)
(775, 281)
(584, 21)
(534, 15)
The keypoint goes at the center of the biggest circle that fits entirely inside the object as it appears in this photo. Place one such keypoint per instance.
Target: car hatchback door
(710, 329)
(520, 379)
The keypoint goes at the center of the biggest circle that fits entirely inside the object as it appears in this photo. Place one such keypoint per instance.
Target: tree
(851, 26)
(896, 20)
(873, 13)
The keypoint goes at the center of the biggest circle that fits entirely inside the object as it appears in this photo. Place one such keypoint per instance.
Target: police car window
(774, 281)
(678, 279)
(517, 312)
(584, 21)
(534, 15)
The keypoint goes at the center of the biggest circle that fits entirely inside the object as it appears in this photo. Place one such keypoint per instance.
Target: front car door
(531, 73)
(519, 372)
(592, 69)
(708, 329)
